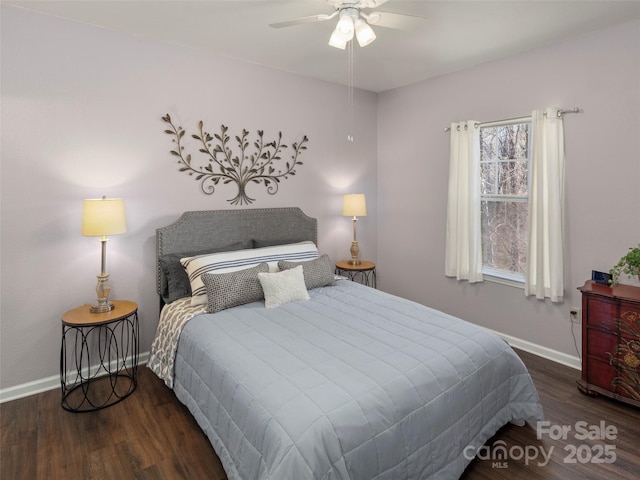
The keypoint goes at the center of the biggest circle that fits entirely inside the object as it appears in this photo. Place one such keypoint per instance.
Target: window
(505, 203)
(504, 198)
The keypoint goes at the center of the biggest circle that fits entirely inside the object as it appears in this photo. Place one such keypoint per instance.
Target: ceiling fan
(352, 20)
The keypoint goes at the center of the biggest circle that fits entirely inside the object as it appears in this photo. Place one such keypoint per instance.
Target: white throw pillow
(225, 262)
(283, 287)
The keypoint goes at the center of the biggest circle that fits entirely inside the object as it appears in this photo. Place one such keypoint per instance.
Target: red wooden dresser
(611, 341)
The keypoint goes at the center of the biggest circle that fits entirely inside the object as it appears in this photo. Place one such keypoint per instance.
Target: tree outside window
(504, 170)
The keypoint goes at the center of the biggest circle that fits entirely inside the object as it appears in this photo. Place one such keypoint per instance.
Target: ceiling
(455, 34)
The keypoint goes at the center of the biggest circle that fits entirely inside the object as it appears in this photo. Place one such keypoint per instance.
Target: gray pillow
(317, 273)
(175, 282)
(226, 290)
(271, 243)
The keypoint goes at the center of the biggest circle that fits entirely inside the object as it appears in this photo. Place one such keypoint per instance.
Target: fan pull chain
(350, 89)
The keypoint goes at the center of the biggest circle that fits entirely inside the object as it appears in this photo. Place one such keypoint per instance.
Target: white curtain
(545, 270)
(463, 250)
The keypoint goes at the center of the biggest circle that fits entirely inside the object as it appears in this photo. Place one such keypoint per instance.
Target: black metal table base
(98, 364)
(365, 277)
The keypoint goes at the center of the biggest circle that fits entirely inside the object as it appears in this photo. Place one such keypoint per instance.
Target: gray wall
(81, 110)
(600, 73)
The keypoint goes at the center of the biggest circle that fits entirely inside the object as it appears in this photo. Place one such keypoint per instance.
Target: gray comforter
(353, 383)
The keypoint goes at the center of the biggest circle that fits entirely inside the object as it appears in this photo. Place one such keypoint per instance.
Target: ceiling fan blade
(395, 20)
(302, 20)
(361, 3)
(356, 3)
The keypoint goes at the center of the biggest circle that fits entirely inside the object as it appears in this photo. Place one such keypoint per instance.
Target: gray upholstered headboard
(212, 229)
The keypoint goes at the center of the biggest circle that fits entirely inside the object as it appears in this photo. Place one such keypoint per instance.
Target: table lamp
(354, 205)
(102, 217)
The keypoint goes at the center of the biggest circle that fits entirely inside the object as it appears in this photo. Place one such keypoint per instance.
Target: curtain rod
(519, 119)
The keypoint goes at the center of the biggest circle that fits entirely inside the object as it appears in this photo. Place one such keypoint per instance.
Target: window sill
(503, 278)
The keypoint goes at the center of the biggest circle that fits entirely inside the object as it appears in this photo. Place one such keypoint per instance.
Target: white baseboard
(539, 350)
(44, 384)
(53, 382)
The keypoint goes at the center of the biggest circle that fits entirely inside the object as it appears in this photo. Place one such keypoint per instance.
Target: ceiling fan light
(337, 41)
(364, 33)
(345, 27)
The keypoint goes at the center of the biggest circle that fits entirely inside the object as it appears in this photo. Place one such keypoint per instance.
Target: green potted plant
(629, 264)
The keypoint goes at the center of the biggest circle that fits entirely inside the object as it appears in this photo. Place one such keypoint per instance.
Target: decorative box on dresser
(611, 341)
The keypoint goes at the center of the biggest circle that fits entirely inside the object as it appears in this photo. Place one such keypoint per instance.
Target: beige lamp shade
(354, 205)
(103, 216)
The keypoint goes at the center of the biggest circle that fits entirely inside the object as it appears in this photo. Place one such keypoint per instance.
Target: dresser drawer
(617, 377)
(627, 367)
(630, 320)
(601, 345)
(601, 374)
(601, 312)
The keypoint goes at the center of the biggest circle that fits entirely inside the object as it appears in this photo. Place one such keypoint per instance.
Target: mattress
(353, 383)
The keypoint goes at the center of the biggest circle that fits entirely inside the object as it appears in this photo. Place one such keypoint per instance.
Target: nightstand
(364, 273)
(99, 356)
(611, 341)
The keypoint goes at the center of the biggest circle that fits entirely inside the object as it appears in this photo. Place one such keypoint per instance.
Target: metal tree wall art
(223, 166)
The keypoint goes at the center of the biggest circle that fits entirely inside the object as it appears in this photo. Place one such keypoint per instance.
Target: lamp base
(101, 307)
(102, 290)
(355, 250)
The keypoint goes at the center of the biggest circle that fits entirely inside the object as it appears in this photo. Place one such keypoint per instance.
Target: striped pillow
(225, 262)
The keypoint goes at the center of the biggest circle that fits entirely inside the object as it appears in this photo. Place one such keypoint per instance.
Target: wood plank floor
(150, 435)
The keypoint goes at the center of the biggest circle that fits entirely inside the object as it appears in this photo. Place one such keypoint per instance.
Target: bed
(343, 382)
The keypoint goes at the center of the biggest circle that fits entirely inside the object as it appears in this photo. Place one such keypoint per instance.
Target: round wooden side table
(364, 272)
(98, 356)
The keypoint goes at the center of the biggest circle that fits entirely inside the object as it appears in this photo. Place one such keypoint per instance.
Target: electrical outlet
(575, 314)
